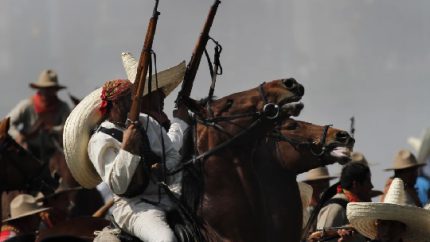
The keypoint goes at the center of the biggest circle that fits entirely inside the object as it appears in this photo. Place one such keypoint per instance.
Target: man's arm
(116, 166)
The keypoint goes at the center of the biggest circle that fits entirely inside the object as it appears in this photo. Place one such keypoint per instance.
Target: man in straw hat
(360, 158)
(405, 167)
(37, 122)
(355, 186)
(25, 218)
(393, 220)
(319, 179)
(118, 155)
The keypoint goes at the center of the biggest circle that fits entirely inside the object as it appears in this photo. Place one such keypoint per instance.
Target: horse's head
(305, 146)
(269, 102)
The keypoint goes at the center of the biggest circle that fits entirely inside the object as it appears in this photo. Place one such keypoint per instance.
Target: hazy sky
(367, 58)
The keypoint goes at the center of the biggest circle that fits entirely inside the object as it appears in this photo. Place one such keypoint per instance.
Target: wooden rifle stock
(193, 65)
(101, 212)
(328, 233)
(142, 68)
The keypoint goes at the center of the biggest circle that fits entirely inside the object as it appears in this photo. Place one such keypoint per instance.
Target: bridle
(278, 136)
(269, 112)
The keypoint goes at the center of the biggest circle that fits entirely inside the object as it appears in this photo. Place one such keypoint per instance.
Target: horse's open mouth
(292, 109)
(341, 154)
(287, 100)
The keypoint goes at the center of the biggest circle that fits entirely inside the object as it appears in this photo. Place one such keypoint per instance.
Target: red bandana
(351, 197)
(113, 90)
(41, 106)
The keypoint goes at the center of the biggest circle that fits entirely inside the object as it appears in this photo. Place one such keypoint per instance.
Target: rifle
(326, 234)
(193, 65)
(352, 129)
(143, 66)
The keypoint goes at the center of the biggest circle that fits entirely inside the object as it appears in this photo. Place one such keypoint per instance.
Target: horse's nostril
(342, 136)
(290, 83)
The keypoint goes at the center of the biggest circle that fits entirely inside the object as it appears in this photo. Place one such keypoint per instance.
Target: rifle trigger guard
(271, 111)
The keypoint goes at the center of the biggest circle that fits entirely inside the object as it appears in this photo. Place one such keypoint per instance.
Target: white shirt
(117, 166)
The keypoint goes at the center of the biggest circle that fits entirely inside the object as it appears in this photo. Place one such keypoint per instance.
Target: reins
(270, 111)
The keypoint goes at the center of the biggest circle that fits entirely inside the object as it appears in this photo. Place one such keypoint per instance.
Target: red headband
(113, 90)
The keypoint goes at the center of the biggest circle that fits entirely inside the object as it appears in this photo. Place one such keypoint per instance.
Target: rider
(37, 122)
(120, 153)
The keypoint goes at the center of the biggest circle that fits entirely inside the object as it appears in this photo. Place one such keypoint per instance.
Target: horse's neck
(280, 194)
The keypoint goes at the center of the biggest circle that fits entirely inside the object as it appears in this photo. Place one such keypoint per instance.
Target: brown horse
(254, 113)
(232, 203)
(295, 147)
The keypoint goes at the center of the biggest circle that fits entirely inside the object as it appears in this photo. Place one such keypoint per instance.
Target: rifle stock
(193, 65)
(143, 66)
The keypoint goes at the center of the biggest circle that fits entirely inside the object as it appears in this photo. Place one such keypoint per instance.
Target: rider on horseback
(120, 155)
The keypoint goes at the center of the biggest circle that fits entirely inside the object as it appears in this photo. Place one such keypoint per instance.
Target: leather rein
(270, 111)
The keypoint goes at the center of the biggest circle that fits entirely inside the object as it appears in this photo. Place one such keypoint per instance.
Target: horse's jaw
(341, 155)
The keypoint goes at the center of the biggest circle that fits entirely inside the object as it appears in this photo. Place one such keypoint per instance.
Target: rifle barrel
(193, 65)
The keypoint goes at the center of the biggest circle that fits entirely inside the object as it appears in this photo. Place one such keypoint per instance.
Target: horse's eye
(292, 126)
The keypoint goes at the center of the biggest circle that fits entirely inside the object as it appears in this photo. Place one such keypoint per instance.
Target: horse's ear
(4, 126)
(195, 107)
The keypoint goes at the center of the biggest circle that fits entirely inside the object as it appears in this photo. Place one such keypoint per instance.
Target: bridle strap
(295, 142)
(261, 115)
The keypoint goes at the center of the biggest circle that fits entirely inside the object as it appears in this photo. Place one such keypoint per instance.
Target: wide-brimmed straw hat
(362, 215)
(404, 159)
(47, 79)
(84, 119)
(167, 80)
(320, 173)
(24, 205)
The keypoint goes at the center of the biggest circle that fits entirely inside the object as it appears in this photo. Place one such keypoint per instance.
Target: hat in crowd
(362, 215)
(166, 80)
(85, 117)
(24, 205)
(360, 158)
(47, 78)
(320, 173)
(404, 159)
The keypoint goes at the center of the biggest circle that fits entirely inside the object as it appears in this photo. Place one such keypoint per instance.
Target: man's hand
(182, 113)
(346, 235)
(132, 140)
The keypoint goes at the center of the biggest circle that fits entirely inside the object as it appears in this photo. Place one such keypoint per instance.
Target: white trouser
(144, 220)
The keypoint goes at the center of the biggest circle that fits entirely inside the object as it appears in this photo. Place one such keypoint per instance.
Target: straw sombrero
(362, 215)
(24, 205)
(320, 173)
(168, 80)
(47, 79)
(85, 117)
(404, 159)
